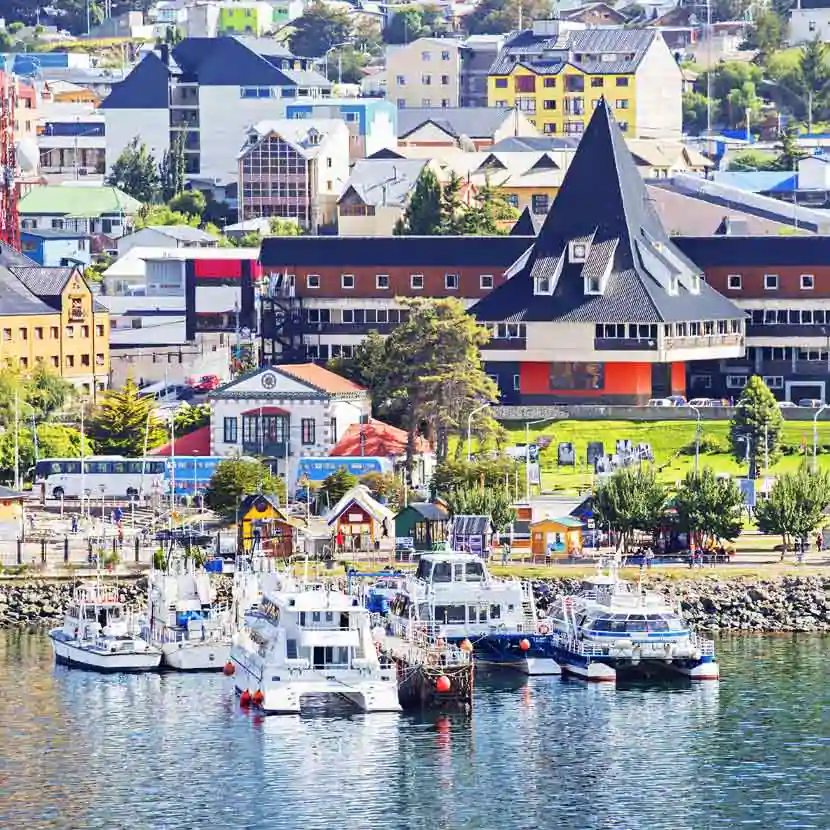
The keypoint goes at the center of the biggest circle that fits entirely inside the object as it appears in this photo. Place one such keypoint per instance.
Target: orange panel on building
(623, 380)
(678, 378)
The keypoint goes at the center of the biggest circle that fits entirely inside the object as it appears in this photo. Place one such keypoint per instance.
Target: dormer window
(313, 137)
(542, 285)
(695, 285)
(578, 252)
(593, 285)
(673, 284)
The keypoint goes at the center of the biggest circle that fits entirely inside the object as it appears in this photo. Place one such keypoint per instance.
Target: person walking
(74, 522)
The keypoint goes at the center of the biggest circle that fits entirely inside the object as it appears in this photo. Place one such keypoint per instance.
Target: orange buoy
(245, 699)
(228, 669)
(442, 684)
(257, 697)
(466, 645)
(524, 645)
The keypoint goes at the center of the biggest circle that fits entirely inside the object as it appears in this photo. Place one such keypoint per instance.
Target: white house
(166, 236)
(809, 19)
(284, 412)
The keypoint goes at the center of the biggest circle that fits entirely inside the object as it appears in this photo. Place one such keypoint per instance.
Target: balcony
(507, 343)
(624, 344)
(703, 341)
(267, 449)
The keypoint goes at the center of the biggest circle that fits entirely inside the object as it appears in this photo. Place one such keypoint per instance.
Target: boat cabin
(95, 610)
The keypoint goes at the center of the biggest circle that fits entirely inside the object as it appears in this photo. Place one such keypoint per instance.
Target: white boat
(253, 577)
(182, 620)
(611, 627)
(310, 641)
(97, 633)
(453, 597)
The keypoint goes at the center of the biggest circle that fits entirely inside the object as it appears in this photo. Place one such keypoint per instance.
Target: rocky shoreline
(787, 603)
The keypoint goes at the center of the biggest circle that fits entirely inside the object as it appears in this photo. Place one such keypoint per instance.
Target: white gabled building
(284, 412)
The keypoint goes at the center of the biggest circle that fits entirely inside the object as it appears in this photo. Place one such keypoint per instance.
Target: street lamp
(528, 425)
(339, 60)
(697, 439)
(815, 433)
(470, 427)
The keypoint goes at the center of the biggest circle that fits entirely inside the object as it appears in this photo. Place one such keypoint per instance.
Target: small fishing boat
(310, 640)
(612, 628)
(453, 597)
(183, 621)
(99, 634)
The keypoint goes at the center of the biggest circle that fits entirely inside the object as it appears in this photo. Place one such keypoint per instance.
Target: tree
(191, 203)
(742, 105)
(406, 25)
(453, 208)
(695, 112)
(236, 478)
(123, 423)
(369, 367)
(345, 65)
(789, 152)
(813, 75)
(53, 441)
(423, 214)
(190, 418)
(435, 370)
(752, 160)
(795, 505)
(496, 17)
(489, 210)
(162, 215)
(766, 34)
(477, 501)
(47, 392)
(135, 172)
(452, 475)
(629, 500)
(337, 484)
(709, 508)
(283, 227)
(320, 28)
(757, 422)
(172, 172)
(385, 487)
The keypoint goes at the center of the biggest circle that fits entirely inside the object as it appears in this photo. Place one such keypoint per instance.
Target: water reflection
(170, 751)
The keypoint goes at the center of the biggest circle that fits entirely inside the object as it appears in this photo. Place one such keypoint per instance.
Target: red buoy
(245, 699)
(228, 669)
(524, 645)
(257, 697)
(442, 684)
(466, 645)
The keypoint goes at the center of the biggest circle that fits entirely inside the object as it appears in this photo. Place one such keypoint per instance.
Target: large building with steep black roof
(604, 307)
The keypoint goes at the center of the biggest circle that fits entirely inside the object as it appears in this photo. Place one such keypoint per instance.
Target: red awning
(266, 410)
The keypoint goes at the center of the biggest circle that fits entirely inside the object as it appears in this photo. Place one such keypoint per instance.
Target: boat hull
(504, 651)
(609, 670)
(85, 656)
(196, 656)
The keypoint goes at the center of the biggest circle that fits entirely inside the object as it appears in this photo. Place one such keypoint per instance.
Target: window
(808, 282)
(136, 323)
(84, 331)
(38, 333)
(426, 102)
(400, 80)
(539, 203)
(416, 282)
(7, 334)
(99, 331)
(771, 282)
(312, 281)
(99, 359)
(445, 102)
(549, 128)
(735, 381)
(623, 125)
(451, 282)
(597, 82)
(524, 83)
(401, 103)
(425, 56)
(426, 80)
(24, 334)
(70, 331)
(230, 430)
(549, 105)
(622, 81)
(621, 104)
(24, 362)
(307, 429)
(348, 315)
(54, 333)
(485, 282)
(70, 361)
(347, 280)
(333, 430)
(574, 83)
(445, 80)
(733, 282)
(84, 360)
(501, 83)
(54, 361)
(774, 381)
(445, 56)
(382, 282)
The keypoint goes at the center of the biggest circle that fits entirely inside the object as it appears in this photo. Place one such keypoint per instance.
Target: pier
(432, 674)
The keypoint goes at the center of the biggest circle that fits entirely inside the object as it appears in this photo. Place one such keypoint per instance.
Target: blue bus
(314, 470)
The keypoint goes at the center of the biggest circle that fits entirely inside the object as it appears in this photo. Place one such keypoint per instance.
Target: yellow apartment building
(49, 317)
(556, 77)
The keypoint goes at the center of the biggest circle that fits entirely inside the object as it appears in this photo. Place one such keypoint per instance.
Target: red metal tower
(9, 224)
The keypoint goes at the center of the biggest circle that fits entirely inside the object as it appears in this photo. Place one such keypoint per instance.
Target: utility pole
(16, 440)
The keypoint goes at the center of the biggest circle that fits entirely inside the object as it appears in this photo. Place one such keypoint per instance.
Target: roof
(603, 205)
(582, 48)
(182, 233)
(769, 251)
(474, 122)
(376, 439)
(318, 377)
(297, 132)
(595, 14)
(527, 143)
(44, 281)
(53, 233)
(430, 511)
(360, 495)
(194, 443)
(8, 494)
(464, 525)
(86, 201)
(384, 182)
(17, 299)
(528, 224)
(404, 251)
(565, 521)
(10, 256)
(756, 181)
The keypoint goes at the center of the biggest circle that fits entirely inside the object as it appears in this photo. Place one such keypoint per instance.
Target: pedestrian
(819, 541)
(32, 522)
(74, 522)
(505, 553)
(649, 558)
(384, 527)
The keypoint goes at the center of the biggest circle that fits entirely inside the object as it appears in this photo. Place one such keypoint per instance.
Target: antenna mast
(9, 226)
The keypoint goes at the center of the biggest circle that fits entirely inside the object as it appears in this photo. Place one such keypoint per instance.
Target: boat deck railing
(426, 643)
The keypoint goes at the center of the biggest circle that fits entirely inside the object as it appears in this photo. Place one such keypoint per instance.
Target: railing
(430, 645)
(703, 340)
(624, 344)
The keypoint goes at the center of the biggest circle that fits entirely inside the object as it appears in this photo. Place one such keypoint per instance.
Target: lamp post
(815, 433)
(470, 427)
(528, 425)
(697, 439)
(339, 60)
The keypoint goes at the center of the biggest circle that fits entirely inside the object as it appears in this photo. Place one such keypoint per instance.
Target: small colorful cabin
(264, 529)
(556, 537)
(361, 519)
(423, 522)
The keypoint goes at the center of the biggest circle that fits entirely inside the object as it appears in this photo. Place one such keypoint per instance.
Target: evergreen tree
(172, 171)
(453, 209)
(789, 152)
(337, 484)
(319, 28)
(491, 208)
(422, 216)
(119, 424)
(135, 172)
(759, 421)
(189, 202)
(236, 478)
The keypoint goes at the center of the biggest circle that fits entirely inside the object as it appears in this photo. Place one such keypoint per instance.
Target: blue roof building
(54, 248)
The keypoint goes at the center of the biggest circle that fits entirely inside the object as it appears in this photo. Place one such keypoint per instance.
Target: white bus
(111, 475)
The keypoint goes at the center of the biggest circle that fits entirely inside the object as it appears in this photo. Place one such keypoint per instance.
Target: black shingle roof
(404, 251)
(761, 251)
(16, 299)
(528, 224)
(43, 281)
(603, 200)
(430, 511)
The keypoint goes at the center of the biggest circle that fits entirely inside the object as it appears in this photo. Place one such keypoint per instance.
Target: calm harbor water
(79, 750)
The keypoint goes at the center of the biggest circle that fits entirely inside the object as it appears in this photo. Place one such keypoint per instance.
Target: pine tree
(758, 421)
(236, 478)
(121, 421)
(172, 169)
(490, 209)
(422, 216)
(135, 172)
(453, 209)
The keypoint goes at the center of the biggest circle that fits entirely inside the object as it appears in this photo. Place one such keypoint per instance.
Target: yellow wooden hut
(555, 538)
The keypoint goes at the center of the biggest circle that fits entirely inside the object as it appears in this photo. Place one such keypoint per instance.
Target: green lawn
(666, 439)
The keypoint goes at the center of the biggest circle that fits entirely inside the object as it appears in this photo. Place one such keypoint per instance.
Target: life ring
(543, 628)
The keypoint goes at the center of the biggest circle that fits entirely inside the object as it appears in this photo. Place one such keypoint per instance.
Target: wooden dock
(431, 673)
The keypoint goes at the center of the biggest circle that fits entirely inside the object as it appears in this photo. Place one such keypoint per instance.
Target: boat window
(601, 625)
(442, 572)
(482, 614)
(291, 649)
(315, 616)
(636, 622)
(423, 569)
(89, 613)
(617, 622)
(474, 572)
(657, 624)
(674, 622)
(115, 613)
(302, 617)
(456, 613)
(495, 612)
(329, 616)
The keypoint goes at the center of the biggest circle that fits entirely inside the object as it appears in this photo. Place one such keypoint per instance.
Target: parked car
(207, 383)
(659, 402)
(698, 402)
(811, 403)
(786, 405)
(677, 400)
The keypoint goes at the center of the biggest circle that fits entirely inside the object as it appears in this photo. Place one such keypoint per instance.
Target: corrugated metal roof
(475, 122)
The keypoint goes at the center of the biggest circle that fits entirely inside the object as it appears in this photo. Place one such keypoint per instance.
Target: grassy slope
(665, 437)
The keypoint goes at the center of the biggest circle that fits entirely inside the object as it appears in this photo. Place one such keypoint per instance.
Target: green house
(423, 522)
